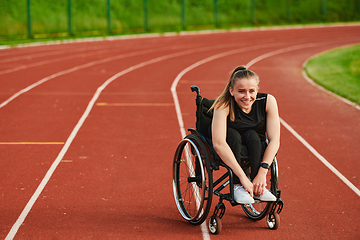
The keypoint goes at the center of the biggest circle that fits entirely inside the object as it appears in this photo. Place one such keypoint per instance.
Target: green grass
(50, 18)
(338, 71)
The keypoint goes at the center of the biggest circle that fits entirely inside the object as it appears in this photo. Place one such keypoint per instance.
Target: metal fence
(46, 18)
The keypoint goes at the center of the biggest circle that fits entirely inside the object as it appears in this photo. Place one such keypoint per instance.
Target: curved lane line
(73, 69)
(30, 143)
(320, 157)
(252, 62)
(292, 131)
(45, 53)
(30, 57)
(22, 67)
(53, 60)
(94, 63)
(73, 134)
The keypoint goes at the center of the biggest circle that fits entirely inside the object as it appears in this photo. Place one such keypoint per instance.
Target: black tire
(215, 225)
(273, 221)
(192, 180)
(259, 210)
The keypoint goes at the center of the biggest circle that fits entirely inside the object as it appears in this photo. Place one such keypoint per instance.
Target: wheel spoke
(191, 180)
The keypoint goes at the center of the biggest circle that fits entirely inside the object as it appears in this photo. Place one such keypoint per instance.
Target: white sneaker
(266, 197)
(242, 196)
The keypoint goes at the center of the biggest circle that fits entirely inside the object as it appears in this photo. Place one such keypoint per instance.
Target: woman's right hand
(248, 185)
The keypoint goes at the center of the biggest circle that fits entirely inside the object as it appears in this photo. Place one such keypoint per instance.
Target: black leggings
(254, 145)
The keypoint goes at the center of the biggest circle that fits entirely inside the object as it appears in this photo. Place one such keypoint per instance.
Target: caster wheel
(273, 220)
(215, 224)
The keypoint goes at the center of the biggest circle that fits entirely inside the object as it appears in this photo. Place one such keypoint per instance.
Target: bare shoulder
(271, 103)
(271, 98)
(222, 110)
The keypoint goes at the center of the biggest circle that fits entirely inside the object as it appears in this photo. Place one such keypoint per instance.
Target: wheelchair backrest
(203, 115)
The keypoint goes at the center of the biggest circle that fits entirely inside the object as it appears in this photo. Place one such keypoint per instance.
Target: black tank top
(255, 120)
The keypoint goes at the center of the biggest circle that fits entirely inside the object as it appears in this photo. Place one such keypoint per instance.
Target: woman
(242, 116)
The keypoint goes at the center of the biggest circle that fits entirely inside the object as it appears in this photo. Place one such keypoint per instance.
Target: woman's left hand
(259, 182)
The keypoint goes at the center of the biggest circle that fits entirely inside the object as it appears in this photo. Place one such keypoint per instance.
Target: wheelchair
(194, 185)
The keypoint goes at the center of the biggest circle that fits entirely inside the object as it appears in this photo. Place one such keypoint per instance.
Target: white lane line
(96, 51)
(320, 157)
(31, 57)
(22, 91)
(279, 51)
(290, 129)
(73, 69)
(73, 134)
(220, 55)
(17, 53)
(261, 57)
(22, 67)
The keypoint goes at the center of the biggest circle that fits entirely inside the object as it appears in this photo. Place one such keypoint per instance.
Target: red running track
(88, 131)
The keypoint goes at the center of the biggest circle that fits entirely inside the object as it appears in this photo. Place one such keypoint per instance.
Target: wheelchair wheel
(215, 225)
(259, 209)
(192, 180)
(273, 221)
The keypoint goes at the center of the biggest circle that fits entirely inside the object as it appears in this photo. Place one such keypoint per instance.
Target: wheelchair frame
(193, 186)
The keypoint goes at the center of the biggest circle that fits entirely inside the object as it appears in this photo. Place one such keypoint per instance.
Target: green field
(338, 71)
(49, 18)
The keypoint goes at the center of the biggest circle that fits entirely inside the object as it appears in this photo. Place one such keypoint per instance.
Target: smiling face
(244, 92)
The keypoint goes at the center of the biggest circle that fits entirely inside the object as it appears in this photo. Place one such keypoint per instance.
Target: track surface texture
(88, 132)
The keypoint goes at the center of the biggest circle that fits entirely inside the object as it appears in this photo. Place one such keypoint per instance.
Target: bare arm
(219, 126)
(273, 134)
(272, 129)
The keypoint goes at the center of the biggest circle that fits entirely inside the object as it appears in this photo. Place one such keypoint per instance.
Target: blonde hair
(225, 99)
